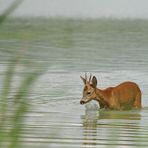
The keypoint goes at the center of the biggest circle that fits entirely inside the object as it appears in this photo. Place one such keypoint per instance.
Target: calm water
(113, 50)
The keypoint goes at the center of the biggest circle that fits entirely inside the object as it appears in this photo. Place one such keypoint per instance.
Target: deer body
(126, 95)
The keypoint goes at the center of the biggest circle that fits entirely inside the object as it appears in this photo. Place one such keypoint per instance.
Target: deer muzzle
(84, 100)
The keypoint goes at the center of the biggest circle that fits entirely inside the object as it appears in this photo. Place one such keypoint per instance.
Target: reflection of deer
(127, 95)
(94, 125)
(89, 121)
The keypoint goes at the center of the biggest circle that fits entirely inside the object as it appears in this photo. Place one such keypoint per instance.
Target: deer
(125, 96)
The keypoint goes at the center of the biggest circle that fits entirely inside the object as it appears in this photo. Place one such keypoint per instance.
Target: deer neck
(102, 97)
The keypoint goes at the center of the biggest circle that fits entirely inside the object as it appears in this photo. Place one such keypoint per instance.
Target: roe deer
(126, 95)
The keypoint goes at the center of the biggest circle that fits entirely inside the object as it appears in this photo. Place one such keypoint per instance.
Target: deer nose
(82, 102)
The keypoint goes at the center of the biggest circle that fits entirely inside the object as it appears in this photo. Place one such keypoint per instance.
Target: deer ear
(84, 80)
(94, 82)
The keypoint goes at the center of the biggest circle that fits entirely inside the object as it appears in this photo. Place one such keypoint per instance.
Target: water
(113, 50)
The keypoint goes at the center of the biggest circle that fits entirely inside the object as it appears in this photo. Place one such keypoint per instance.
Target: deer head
(89, 90)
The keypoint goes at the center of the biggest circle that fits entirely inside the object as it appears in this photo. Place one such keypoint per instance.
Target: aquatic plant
(17, 104)
(11, 123)
(9, 10)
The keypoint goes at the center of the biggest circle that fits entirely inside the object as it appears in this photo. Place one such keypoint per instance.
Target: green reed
(9, 136)
(9, 10)
(18, 103)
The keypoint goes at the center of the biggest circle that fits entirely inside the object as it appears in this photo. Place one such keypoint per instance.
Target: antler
(86, 76)
(85, 79)
(90, 77)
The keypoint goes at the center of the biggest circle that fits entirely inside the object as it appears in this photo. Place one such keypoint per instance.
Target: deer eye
(88, 93)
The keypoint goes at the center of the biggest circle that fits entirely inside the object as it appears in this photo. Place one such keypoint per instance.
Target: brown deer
(126, 95)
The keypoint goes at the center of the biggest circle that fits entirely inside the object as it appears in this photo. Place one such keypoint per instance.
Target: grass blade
(9, 10)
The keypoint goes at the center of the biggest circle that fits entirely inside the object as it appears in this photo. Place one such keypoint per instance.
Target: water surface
(113, 50)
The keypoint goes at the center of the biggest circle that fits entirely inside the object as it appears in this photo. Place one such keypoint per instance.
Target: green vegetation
(9, 10)
(13, 107)
(18, 104)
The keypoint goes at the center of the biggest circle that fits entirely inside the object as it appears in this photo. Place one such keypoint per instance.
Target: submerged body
(126, 95)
